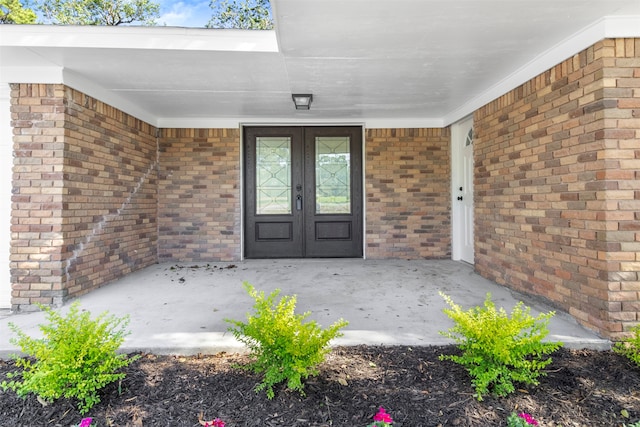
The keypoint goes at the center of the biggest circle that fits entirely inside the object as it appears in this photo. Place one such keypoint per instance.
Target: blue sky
(178, 13)
(186, 13)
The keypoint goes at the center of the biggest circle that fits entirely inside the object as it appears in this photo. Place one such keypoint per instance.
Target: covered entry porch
(114, 165)
(180, 308)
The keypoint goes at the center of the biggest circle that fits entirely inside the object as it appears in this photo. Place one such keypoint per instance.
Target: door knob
(459, 197)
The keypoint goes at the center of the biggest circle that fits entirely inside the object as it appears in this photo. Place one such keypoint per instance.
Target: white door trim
(459, 132)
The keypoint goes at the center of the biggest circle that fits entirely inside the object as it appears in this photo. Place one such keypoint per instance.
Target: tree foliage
(99, 12)
(241, 14)
(13, 12)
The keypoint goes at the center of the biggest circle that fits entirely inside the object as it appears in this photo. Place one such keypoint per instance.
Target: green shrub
(75, 358)
(281, 345)
(630, 347)
(498, 350)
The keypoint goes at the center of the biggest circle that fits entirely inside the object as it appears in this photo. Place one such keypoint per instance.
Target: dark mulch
(583, 388)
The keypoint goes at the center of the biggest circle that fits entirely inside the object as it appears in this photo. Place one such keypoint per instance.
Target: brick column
(84, 194)
(37, 202)
(619, 250)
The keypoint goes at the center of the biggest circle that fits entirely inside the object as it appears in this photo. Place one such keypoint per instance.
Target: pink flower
(85, 422)
(528, 418)
(215, 423)
(382, 416)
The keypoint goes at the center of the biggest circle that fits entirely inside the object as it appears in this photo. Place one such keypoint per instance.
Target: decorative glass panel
(469, 140)
(273, 175)
(333, 175)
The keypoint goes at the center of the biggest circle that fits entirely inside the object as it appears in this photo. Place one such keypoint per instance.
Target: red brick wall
(408, 194)
(556, 186)
(84, 194)
(199, 195)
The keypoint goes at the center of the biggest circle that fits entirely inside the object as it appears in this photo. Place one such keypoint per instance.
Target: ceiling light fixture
(302, 101)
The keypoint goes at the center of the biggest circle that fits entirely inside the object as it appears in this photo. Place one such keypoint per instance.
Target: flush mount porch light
(302, 101)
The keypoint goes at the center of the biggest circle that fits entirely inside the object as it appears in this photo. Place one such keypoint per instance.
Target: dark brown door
(303, 192)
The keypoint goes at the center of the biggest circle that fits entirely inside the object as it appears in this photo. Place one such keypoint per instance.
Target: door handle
(459, 197)
(299, 202)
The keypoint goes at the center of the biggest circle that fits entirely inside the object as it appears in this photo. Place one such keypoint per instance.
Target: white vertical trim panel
(6, 166)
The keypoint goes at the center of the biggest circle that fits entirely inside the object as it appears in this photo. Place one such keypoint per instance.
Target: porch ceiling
(385, 63)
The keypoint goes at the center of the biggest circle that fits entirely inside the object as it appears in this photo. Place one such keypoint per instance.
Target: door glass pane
(273, 175)
(469, 140)
(333, 175)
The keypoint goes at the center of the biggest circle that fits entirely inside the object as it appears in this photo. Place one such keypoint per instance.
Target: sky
(186, 13)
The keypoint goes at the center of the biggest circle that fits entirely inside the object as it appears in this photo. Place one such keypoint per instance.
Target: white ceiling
(384, 63)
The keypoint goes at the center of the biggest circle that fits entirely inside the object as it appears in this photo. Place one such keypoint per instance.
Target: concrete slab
(181, 308)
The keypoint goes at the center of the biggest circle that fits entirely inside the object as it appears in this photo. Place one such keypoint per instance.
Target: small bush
(630, 347)
(282, 346)
(498, 350)
(75, 358)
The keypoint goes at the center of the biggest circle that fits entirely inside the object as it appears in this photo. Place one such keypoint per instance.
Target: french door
(303, 192)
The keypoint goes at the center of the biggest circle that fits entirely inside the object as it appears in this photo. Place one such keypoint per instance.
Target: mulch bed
(582, 388)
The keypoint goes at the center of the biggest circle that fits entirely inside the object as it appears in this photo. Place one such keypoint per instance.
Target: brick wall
(556, 186)
(199, 195)
(408, 199)
(84, 194)
(407, 194)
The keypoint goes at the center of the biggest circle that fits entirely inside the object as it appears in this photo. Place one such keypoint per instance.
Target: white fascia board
(124, 37)
(59, 75)
(227, 123)
(89, 88)
(38, 75)
(621, 26)
(607, 27)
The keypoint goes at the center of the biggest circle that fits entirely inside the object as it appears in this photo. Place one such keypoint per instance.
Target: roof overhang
(406, 63)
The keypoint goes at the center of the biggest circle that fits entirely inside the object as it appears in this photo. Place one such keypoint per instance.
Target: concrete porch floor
(180, 308)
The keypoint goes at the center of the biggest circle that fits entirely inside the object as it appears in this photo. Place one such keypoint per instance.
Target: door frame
(458, 136)
(243, 206)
